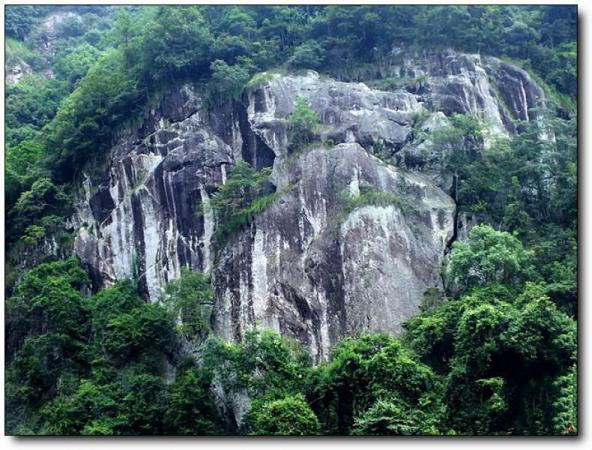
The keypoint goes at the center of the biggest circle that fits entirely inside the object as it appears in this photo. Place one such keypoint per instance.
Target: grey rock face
(311, 266)
(312, 273)
(150, 215)
(349, 112)
(454, 82)
(15, 72)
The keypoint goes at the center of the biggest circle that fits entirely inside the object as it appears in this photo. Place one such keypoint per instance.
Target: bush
(489, 256)
(245, 194)
(302, 124)
(309, 55)
(190, 298)
(289, 416)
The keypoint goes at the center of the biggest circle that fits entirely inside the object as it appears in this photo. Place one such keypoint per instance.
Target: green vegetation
(291, 417)
(259, 79)
(371, 196)
(228, 81)
(494, 354)
(95, 365)
(190, 298)
(370, 369)
(247, 192)
(302, 124)
(495, 359)
(502, 355)
(526, 185)
(489, 256)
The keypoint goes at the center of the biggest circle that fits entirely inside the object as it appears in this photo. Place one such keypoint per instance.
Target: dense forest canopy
(495, 355)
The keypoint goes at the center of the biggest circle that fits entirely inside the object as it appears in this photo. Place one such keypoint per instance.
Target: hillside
(291, 220)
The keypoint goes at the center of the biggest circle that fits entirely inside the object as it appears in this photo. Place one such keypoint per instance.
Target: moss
(259, 79)
(369, 196)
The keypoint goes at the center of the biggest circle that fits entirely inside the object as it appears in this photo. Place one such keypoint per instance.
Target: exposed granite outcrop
(308, 266)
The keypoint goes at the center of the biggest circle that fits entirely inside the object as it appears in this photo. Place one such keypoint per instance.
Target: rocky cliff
(311, 266)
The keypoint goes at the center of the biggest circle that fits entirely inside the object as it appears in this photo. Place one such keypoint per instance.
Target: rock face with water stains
(314, 270)
(326, 259)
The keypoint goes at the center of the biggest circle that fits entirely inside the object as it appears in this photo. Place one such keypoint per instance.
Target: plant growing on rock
(246, 193)
(302, 124)
(190, 298)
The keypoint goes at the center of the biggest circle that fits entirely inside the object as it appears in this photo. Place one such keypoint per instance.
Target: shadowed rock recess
(310, 266)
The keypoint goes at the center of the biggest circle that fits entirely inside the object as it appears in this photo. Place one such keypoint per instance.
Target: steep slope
(324, 260)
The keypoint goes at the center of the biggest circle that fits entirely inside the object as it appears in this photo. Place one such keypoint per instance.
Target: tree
(367, 369)
(302, 124)
(176, 44)
(308, 55)
(190, 298)
(394, 418)
(20, 19)
(289, 416)
(42, 201)
(46, 326)
(23, 163)
(266, 364)
(190, 410)
(74, 64)
(501, 354)
(228, 81)
(489, 256)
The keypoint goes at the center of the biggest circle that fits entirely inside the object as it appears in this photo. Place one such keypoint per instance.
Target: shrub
(302, 124)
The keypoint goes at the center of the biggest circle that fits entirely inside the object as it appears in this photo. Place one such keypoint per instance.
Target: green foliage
(21, 19)
(302, 124)
(81, 130)
(22, 168)
(72, 65)
(17, 53)
(308, 55)
(46, 325)
(501, 355)
(31, 103)
(39, 204)
(95, 365)
(245, 194)
(259, 79)
(365, 370)
(527, 186)
(395, 418)
(190, 298)
(127, 334)
(565, 406)
(266, 365)
(486, 363)
(498, 357)
(371, 196)
(289, 416)
(191, 411)
(176, 43)
(228, 81)
(489, 256)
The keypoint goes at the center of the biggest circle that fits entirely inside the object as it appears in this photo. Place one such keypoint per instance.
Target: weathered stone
(312, 273)
(305, 266)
